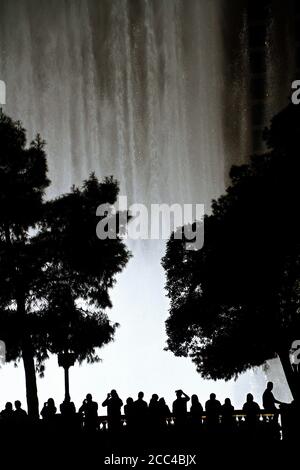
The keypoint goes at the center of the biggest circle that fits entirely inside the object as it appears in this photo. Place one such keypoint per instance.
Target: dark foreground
(66, 446)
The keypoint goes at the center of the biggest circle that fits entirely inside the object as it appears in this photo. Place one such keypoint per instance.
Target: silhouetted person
(68, 414)
(129, 413)
(196, 412)
(140, 411)
(67, 409)
(7, 414)
(154, 412)
(89, 410)
(163, 413)
(252, 410)
(20, 420)
(269, 400)
(48, 414)
(227, 411)
(49, 410)
(114, 404)
(20, 415)
(180, 408)
(7, 418)
(153, 404)
(213, 410)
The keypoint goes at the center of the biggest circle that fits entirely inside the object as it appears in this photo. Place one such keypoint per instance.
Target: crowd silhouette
(186, 416)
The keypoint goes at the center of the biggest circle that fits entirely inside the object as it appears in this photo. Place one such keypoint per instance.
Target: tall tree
(79, 270)
(23, 180)
(235, 303)
(54, 270)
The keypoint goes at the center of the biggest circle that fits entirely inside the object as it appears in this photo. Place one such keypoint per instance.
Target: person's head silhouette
(154, 397)
(178, 393)
(114, 394)
(249, 398)
(8, 406)
(17, 404)
(141, 395)
(195, 399)
(270, 386)
(212, 396)
(51, 403)
(227, 401)
(129, 401)
(89, 397)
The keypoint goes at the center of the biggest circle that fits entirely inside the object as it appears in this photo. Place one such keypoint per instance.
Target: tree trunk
(292, 376)
(30, 377)
(28, 361)
(27, 349)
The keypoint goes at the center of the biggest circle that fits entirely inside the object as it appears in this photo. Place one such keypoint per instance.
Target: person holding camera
(114, 404)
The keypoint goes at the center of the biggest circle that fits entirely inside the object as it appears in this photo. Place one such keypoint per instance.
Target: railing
(281, 425)
(238, 416)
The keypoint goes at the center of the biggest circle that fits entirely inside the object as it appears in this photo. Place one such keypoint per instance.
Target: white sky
(135, 360)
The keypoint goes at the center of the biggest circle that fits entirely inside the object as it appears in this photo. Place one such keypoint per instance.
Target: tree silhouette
(235, 302)
(23, 180)
(79, 271)
(54, 272)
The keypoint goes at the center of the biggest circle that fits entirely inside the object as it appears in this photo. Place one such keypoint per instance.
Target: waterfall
(124, 88)
(133, 89)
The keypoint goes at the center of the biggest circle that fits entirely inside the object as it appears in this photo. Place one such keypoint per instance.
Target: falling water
(133, 89)
(126, 88)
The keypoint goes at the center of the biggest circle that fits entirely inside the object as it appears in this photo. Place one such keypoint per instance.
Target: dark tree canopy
(67, 295)
(23, 180)
(235, 303)
(55, 273)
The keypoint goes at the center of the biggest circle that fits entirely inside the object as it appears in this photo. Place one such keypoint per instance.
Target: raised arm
(105, 403)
